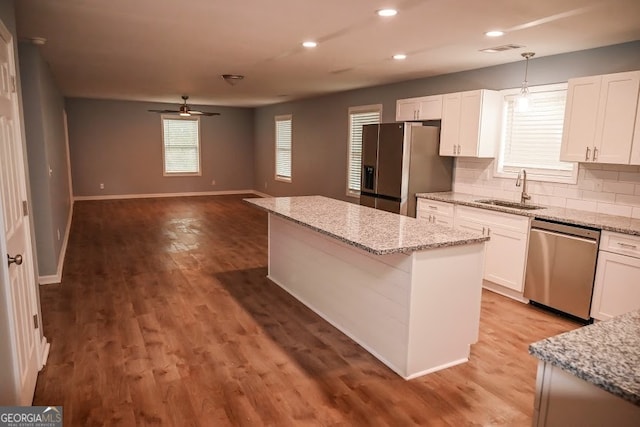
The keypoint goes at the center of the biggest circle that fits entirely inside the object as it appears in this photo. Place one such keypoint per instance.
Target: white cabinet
(600, 117)
(617, 284)
(420, 108)
(470, 123)
(435, 212)
(563, 399)
(506, 250)
(635, 146)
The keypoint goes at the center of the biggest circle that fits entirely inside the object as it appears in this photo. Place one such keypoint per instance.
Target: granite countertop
(615, 223)
(606, 354)
(369, 229)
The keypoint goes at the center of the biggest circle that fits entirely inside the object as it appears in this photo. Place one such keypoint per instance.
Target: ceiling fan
(185, 110)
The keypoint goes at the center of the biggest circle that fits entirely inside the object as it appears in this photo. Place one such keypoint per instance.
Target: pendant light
(522, 103)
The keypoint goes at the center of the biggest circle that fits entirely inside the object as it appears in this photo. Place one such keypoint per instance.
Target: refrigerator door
(366, 200)
(428, 171)
(390, 153)
(388, 205)
(369, 159)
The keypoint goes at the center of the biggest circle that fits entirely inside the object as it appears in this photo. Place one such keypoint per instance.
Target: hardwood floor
(165, 317)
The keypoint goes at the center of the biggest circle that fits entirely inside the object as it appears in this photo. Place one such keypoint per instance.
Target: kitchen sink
(506, 204)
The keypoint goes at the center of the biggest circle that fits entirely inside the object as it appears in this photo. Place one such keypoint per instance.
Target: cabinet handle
(586, 156)
(483, 231)
(435, 208)
(627, 245)
(458, 148)
(488, 231)
(595, 154)
(454, 149)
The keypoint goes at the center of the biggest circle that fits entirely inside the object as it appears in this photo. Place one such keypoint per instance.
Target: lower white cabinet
(617, 285)
(506, 250)
(435, 212)
(562, 400)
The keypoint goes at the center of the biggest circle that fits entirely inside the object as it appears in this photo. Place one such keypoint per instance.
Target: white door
(18, 281)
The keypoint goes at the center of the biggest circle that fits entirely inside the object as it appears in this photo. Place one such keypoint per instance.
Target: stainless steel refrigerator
(398, 161)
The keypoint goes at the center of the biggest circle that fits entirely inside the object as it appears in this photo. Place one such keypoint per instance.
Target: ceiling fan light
(232, 79)
(185, 114)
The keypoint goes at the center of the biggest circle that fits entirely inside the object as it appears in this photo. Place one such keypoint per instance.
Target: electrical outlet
(265, 184)
(58, 234)
(213, 182)
(102, 186)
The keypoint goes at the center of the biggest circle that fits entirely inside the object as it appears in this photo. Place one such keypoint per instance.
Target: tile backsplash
(610, 189)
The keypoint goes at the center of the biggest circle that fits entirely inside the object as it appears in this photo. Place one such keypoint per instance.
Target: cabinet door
(617, 286)
(450, 126)
(470, 110)
(406, 110)
(635, 146)
(430, 107)
(505, 258)
(580, 118)
(616, 117)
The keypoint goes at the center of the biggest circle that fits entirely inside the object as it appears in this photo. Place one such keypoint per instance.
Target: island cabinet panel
(417, 312)
(562, 399)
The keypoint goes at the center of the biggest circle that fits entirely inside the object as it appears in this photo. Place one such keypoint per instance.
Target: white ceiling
(156, 50)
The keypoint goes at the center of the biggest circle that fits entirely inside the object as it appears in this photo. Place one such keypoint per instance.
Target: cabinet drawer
(618, 243)
(502, 220)
(432, 207)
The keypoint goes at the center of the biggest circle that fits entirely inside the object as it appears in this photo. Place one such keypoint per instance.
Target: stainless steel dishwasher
(561, 265)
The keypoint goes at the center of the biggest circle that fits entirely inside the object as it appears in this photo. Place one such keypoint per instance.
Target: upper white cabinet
(421, 108)
(635, 147)
(470, 123)
(600, 116)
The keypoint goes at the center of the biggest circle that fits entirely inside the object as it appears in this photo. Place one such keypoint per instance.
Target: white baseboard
(57, 278)
(261, 194)
(44, 352)
(157, 195)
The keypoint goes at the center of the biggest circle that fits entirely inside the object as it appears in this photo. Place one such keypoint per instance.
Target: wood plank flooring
(165, 317)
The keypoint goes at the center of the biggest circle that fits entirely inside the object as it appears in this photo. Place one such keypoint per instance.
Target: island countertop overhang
(372, 230)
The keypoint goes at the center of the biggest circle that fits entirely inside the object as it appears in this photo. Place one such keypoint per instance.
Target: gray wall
(46, 147)
(119, 143)
(320, 125)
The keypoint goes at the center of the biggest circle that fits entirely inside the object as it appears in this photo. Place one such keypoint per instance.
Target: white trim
(66, 145)
(57, 278)
(44, 347)
(351, 110)
(282, 118)
(538, 175)
(160, 195)
(164, 163)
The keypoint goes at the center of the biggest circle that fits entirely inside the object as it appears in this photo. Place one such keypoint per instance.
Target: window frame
(283, 118)
(532, 174)
(351, 111)
(198, 145)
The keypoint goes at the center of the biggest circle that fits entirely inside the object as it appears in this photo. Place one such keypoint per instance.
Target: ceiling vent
(501, 48)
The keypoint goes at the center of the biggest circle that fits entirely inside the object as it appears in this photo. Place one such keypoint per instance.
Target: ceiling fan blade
(164, 111)
(202, 113)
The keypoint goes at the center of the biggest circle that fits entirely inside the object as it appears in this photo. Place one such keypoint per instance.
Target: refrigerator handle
(368, 173)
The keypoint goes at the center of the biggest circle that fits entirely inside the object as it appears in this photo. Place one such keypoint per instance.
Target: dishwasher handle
(566, 236)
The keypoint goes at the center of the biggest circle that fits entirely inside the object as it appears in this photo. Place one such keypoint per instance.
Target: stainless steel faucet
(522, 180)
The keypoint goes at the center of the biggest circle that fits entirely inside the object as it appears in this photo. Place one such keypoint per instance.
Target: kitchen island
(406, 290)
(590, 376)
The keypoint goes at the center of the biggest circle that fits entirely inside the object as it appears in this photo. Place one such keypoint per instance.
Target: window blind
(356, 121)
(283, 147)
(532, 139)
(181, 146)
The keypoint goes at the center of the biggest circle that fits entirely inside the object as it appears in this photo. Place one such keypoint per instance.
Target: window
(283, 148)
(181, 146)
(531, 140)
(358, 117)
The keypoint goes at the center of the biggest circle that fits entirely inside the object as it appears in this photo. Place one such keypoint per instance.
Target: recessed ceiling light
(387, 12)
(309, 44)
(399, 56)
(494, 33)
